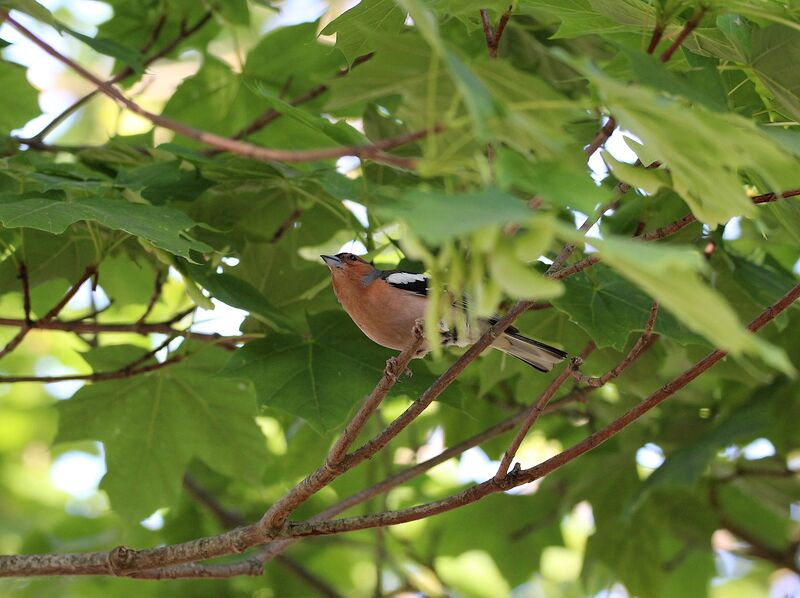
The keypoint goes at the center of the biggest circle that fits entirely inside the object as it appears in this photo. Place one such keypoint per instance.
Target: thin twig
(26, 326)
(155, 295)
(36, 142)
(272, 115)
(690, 26)
(642, 343)
(525, 476)
(532, 414)
(666, 231)
(124, 561)
(80, 327)
(373, 152)
(608, 128)
(276, 515)
(493, 36)
(26, 292)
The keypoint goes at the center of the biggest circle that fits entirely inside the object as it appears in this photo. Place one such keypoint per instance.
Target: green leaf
(610, 308)
(649, 180)
(578, 17)
(380, 16)
(519, 280)
(22, 105)
(32, 8)
(436, 216)
(238, 293)
(164, 181)
(340, 132)
(556, 182)
(320, 378)
(109, 47)
(164, 227)
(686, 465)
(776, 49)
(707, 179)
(671, 276)
(154, 424)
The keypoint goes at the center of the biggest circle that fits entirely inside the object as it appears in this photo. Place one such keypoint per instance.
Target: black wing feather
(414, 283)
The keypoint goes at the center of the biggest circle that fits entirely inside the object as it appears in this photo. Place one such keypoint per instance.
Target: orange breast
(385, 314)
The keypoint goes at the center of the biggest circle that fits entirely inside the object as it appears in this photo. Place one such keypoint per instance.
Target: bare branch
(36, 141)
(666, 231)
(531, 415)
(157, 287)
(276, 515)
(642, 343)
(373, 152)
(524, 476)
(690, 26)
(26, 325)
(272, 115)
(26, 291)
(493, 37)
(608, 128)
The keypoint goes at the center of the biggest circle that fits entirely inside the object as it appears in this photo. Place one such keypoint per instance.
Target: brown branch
(272, 115)
(127, 371)
(488, 33)
(493, 37)
(36, 141)
(373, 152)
(531, 415)
(26, 292)
(435, 389)
(666, 231)
(26, 326)
(165, 327)
(276, 515)
(229, 518)
(642, 343)
(286, 225)
(690, 26)
(524, 476)
(157, 287)
(658, 33)
(608, 128)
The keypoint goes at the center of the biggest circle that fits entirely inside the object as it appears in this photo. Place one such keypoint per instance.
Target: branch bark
(37, 140)
(608, 128)
(373, 152)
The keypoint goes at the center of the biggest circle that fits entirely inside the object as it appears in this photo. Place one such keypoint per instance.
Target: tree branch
(27, 325)
(374, 152)
(272, 115)
(37, 140)
(524, 476)
(611, 124)
(493, 37)
(134, 368)
(132, 328)
(276, 515)
(157, 287)
(666, 231)
(531, 415)
(642, 343)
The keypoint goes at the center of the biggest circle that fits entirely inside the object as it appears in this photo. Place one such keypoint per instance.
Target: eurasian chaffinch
(386, 305)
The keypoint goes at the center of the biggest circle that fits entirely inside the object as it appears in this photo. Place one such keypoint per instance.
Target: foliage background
(697, 498)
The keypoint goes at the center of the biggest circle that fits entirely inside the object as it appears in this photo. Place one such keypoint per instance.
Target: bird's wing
(418, 284)
(410, 282)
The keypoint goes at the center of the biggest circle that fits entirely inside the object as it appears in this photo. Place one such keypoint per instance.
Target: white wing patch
(405, 278)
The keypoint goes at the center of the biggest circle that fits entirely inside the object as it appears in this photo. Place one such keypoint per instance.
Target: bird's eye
(353, 258)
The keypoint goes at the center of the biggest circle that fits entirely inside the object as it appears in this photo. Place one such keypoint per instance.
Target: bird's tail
(538, 355)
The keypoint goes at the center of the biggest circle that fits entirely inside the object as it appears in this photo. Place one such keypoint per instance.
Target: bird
(387, 304)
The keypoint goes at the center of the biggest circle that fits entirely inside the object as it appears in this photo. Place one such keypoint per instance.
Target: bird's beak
(332, 261)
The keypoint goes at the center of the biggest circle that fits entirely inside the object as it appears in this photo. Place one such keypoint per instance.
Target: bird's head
(348, 266)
